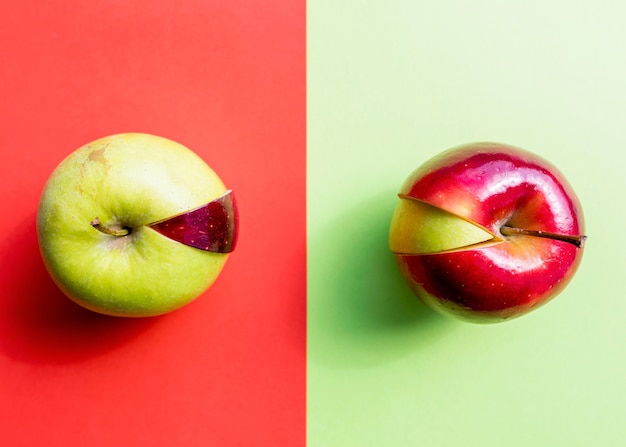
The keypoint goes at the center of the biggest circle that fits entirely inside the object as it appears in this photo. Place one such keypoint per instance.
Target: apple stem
(578, 241)
(106, 230)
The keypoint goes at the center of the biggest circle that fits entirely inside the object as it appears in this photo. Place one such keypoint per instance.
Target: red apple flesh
(528, 236)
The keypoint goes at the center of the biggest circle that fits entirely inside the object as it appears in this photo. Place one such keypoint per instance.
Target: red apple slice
(212, 227)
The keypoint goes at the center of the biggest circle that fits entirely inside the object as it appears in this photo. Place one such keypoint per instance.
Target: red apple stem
(106, 230)
(578, 241)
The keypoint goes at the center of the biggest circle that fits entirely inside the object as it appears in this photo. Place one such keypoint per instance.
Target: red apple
(486, 232)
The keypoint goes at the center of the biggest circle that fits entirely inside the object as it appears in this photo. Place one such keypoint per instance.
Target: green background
(390, 84)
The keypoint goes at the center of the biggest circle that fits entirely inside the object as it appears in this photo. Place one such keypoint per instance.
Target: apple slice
(212, 227)
(421, 228)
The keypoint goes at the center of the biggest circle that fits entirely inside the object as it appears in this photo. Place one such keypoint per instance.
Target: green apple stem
(110, 231)
(578, 241)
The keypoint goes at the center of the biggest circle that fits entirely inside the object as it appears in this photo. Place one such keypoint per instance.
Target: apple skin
(212, 227)
(126, 181)
(492, 185)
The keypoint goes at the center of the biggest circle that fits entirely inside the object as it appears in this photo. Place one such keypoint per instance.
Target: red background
(227, 79)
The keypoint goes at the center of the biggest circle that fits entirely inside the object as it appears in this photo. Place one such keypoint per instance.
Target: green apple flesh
(421, 228)
(126, 182)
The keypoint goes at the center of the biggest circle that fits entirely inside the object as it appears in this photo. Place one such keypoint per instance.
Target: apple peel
(212, 227)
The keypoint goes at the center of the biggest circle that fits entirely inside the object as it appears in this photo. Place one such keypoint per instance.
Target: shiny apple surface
(495, 187)
(213, 227)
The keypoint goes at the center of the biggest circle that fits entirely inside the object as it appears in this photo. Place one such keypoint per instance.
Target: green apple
(103, 233)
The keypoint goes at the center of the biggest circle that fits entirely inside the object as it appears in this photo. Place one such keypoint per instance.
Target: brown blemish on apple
(98, 156)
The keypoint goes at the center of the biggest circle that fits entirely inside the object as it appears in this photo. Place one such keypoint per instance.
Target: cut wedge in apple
(212, 227)
(421, 228)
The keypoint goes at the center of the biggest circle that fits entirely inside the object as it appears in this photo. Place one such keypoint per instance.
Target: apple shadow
(361, 311)
(38, 323)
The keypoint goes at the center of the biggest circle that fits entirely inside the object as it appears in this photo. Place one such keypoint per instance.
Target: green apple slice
(420, 228)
